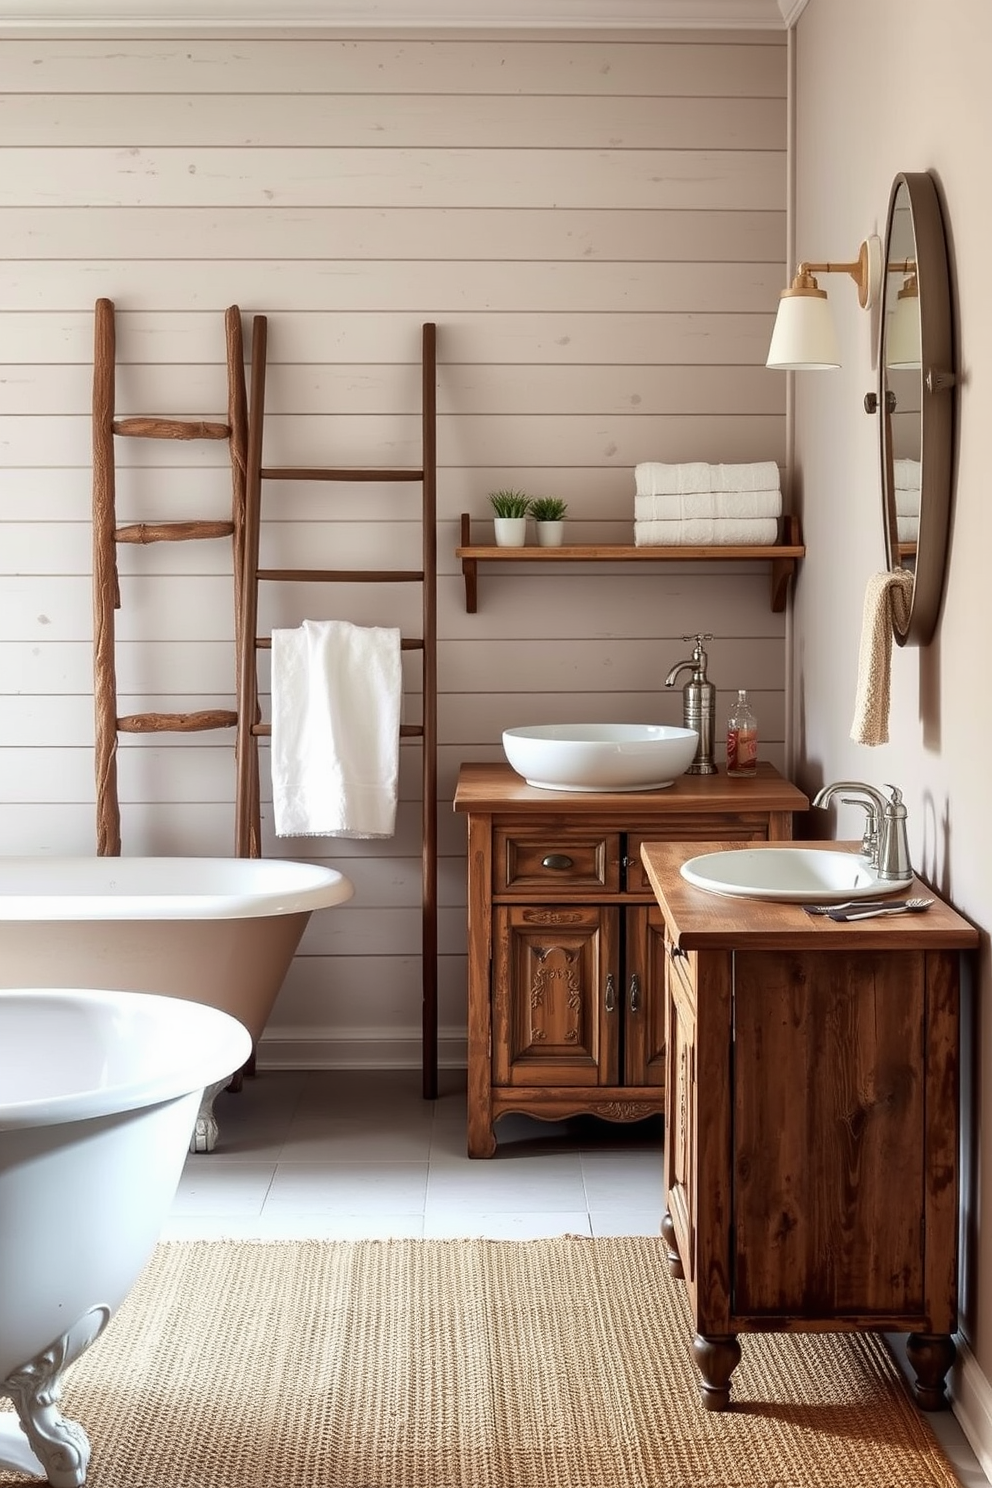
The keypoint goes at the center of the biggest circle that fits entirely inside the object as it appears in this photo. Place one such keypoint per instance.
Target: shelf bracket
(470, 568)
(784, 568)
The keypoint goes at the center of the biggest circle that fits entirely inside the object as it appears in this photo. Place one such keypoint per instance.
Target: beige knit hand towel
(887, 604)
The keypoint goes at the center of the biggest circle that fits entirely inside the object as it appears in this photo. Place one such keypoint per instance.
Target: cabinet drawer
(568, 862)
(710, 826)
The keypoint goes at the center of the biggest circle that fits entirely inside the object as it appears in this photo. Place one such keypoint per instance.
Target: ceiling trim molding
(792, 10)
(530, 15)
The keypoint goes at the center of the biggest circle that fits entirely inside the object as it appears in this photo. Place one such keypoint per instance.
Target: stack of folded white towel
(906, 475)
(700, 505)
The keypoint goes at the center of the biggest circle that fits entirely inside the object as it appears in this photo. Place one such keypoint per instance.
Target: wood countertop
(497, 787)
(700, 920)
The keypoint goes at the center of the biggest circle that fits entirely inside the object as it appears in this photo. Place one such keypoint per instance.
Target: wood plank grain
(572, 336)
(590, 67)
(365, 388)
(355, 120)
(163, 177)
(421, 290)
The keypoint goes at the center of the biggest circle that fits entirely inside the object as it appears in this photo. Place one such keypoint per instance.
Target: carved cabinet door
(556, 1000)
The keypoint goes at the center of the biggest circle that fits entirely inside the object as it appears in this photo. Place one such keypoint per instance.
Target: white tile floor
(360, 1155)
(353, 1156)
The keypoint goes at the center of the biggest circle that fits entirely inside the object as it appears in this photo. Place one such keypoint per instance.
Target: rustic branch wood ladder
(107, 535)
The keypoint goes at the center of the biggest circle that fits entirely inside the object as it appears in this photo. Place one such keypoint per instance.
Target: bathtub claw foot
(59, 1448)
(206, 1130)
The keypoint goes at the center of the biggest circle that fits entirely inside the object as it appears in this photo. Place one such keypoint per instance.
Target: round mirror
(916, 397)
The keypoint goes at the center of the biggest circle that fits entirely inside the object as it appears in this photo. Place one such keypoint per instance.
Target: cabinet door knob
(635, 992)
(611, 993)
(559, 861)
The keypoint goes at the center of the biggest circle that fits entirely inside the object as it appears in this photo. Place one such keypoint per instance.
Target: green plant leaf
(548, 509)
(510, 503)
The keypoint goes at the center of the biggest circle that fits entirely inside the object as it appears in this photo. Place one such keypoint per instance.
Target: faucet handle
(699, 637)
(869, 839)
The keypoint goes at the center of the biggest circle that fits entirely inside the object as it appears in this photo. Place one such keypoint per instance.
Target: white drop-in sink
(819, 874)
(600, 756)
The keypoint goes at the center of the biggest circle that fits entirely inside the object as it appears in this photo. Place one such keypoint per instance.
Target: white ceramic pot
(511, 532)
(550, 534)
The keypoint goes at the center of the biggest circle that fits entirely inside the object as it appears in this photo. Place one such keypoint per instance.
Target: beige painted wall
(596, 224)
(883, 88)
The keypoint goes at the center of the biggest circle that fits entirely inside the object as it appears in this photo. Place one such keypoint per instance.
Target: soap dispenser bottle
(698, 704)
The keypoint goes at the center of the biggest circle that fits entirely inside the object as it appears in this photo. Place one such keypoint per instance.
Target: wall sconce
(902, 340)
(803, 339)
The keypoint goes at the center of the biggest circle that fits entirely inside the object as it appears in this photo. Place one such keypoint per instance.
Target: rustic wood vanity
(566, 943)
(811, 1131)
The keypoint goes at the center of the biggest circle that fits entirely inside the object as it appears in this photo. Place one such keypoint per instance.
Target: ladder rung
(407, 643)
(342, 575)
(152, 532)
(329, 473)
(163, 428)
(177, 723)
(407, 730)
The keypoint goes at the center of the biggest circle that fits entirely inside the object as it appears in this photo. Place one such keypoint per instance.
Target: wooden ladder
(107, 429)
(250, 726)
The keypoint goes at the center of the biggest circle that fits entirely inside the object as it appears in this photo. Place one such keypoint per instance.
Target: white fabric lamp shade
(804, 338)
(902, 341)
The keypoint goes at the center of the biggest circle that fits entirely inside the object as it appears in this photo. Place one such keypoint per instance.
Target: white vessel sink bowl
(600, 756)
(816, 874)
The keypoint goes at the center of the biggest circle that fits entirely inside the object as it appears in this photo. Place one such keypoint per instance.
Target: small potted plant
(549, 514)
(510, 509)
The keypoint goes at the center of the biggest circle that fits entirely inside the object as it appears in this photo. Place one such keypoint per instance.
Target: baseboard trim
(971, 1401)
(363, 1049)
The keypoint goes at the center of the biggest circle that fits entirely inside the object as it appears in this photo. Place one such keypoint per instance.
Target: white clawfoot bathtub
(98, 1093)
(221, 931)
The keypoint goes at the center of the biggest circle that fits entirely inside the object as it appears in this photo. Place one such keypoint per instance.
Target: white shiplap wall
(595, 223)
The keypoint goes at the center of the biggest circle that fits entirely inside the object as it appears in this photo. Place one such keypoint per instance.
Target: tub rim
(218, 1044)
(281, 886)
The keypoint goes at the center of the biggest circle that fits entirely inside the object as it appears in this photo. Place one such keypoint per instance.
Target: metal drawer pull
(559, 861)
(635, 992)
(611, 993)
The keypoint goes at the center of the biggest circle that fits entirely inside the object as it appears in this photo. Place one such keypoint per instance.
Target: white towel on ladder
(336, 694)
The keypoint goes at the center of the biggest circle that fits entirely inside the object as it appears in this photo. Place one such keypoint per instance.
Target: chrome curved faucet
(698, 704)
(885, 842)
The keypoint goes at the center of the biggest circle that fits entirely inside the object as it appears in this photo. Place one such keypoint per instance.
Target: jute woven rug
(468, 1364)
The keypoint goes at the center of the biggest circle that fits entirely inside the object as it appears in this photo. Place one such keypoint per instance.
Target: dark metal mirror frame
(937, 402)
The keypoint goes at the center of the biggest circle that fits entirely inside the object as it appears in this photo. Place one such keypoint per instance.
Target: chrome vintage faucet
(698, 704)
(885, 842)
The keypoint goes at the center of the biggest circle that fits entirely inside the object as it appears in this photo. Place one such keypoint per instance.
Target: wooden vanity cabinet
(566, 942)
(811, 1131)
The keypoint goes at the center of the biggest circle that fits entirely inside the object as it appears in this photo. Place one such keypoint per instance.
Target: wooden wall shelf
(782, 556)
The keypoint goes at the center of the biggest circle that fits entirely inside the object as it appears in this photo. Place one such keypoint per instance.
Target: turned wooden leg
(931, 1355)
(716, 1358)
(674, 1259)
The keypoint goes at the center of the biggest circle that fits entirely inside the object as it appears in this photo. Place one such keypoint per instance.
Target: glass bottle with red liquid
(742, 738)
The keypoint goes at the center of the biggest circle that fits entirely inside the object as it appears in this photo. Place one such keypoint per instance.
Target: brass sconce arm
(865, 271)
